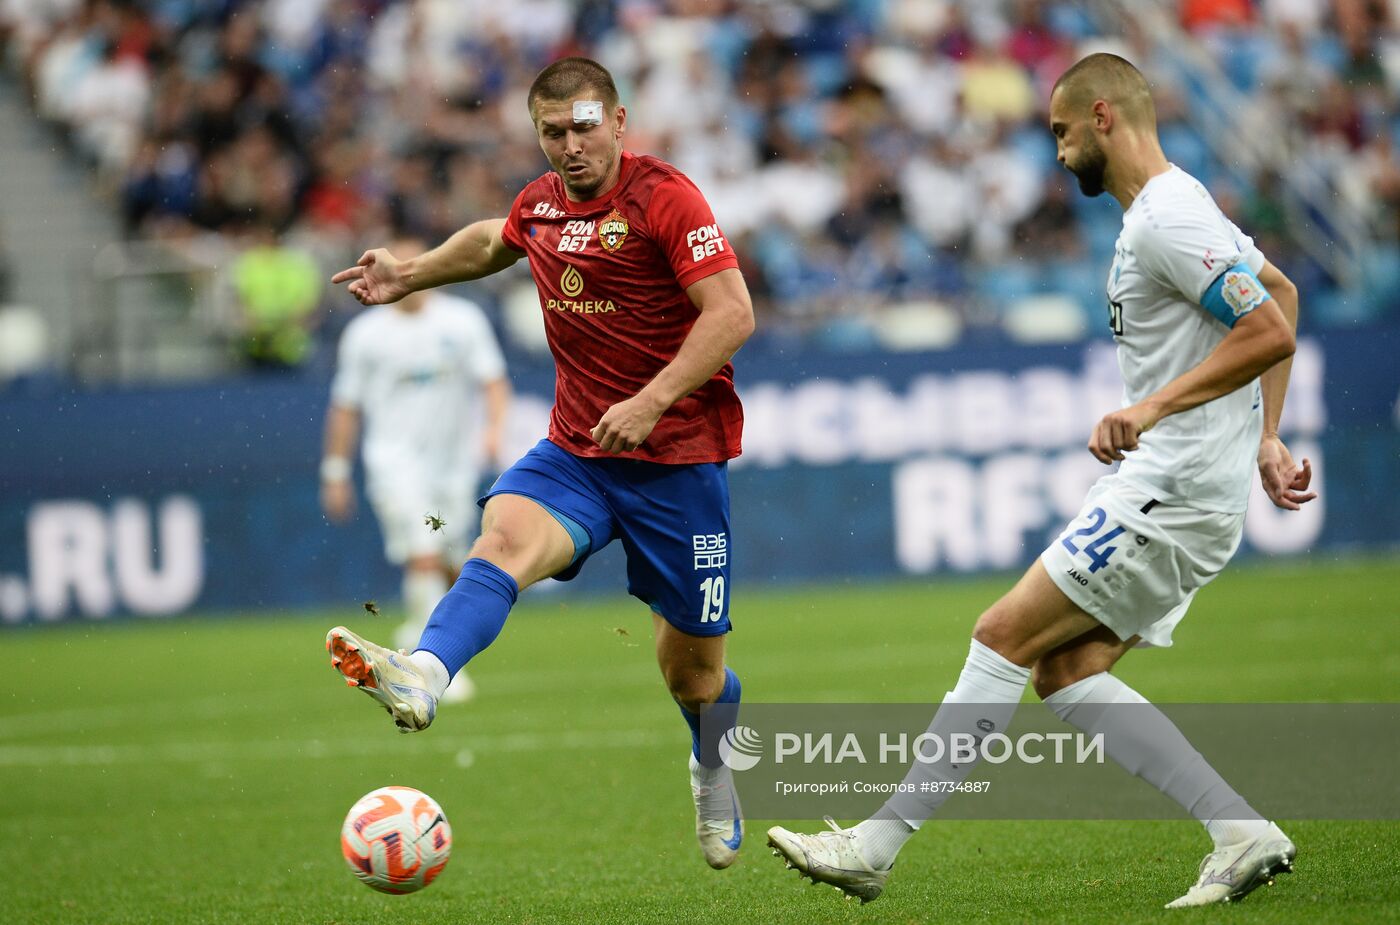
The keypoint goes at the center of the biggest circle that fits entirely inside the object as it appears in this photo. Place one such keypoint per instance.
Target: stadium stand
(869, 158)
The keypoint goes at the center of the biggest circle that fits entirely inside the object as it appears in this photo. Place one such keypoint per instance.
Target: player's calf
(696, 676)
(1093, 653)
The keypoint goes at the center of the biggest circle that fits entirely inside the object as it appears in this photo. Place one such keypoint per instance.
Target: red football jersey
(611, 274)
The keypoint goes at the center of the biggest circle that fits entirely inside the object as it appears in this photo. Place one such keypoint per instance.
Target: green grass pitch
(197, 770)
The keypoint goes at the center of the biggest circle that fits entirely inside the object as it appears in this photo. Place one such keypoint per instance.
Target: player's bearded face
(585, 156)
(1088, 166)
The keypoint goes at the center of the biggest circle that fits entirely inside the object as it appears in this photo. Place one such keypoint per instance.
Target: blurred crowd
(867, 158)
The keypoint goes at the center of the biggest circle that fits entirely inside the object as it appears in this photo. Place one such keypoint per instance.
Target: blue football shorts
(673, 521)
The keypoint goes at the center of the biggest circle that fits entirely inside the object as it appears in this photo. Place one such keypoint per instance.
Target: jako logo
(741, 748)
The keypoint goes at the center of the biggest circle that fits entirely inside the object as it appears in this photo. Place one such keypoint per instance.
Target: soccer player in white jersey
(1204, 327)
(426, 377)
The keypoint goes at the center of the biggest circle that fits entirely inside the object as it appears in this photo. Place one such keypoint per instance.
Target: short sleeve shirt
(612, 275)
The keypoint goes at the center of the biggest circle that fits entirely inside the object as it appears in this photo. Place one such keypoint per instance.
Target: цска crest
(612, 231)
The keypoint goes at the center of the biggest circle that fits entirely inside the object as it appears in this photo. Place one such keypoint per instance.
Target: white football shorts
(1134, 564)
(403, 506)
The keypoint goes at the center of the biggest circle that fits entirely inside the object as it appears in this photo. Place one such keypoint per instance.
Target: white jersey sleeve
(483, 356)
(1187, 249)
(1182, 275)
(350, 384)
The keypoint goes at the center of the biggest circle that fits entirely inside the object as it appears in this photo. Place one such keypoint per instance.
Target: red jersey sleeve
(686, 231)
(512, 233)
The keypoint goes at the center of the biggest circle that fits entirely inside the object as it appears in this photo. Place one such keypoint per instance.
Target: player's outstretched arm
(477, 250)
(1284, 482)
(725, 322)
(1259, 341)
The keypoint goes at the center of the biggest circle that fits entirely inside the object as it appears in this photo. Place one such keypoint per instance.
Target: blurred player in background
(426, 379)
(1204, 327)
(643, 306)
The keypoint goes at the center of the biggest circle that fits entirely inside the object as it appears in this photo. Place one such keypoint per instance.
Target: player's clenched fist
(375, 279)
(626, 424)
(1118, 433)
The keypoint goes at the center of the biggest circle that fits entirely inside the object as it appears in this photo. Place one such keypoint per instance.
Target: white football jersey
(416, 379)
(1175, 242)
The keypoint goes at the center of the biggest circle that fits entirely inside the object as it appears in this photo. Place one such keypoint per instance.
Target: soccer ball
(396, 839)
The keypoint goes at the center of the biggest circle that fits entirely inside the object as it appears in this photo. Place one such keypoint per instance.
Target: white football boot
(385, 675)
(1231, 873)
(719, 823)
(833, 857)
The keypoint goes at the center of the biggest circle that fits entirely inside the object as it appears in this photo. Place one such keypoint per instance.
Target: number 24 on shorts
(1098, 556)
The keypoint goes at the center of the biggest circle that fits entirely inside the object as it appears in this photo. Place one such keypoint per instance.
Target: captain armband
(1234, 294)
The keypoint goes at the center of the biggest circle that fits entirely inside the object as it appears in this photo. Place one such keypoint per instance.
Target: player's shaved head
(569, 78)
(1114, 80)
(580, 124)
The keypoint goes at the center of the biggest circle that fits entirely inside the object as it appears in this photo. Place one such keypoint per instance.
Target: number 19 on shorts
(712, 597)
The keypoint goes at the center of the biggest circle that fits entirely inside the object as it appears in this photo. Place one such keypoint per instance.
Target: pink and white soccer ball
(396, 839)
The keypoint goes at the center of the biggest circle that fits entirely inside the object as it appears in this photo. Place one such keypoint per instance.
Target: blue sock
(470, 615)
(707, 753)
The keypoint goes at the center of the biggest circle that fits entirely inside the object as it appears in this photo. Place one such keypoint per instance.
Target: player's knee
(498, 545)
(997, 631)
(693, 687)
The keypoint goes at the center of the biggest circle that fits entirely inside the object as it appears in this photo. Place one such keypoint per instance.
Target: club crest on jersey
(612, 231)
(571, 282)
(1242, 292)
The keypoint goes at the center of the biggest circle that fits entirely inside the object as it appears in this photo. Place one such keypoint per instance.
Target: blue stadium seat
(1247, 51)
(1101, 232)
(1327, 50)
(1071, 20)
(1082, 280)
(1339, 307)
(1036, 145)
(1185, 148)
(826, 73)
(1381, 270)
(1006, 282)
(846, 335)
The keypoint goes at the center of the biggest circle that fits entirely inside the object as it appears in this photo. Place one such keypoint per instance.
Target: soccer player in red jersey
(644, 305)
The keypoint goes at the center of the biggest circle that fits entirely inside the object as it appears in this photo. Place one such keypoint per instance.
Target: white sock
(422, 589)
(1146, 743)
(881, 839)
(707, 776)
(984, 700)
(434, 671)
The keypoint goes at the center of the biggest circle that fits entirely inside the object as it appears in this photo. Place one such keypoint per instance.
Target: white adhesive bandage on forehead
(588, 112)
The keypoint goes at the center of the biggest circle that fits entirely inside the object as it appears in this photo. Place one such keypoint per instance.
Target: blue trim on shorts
(583, 544)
